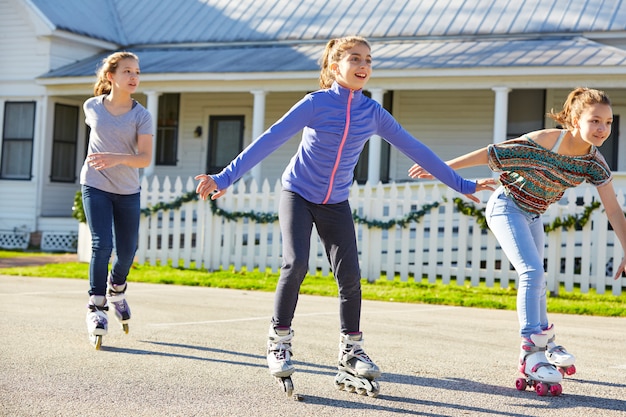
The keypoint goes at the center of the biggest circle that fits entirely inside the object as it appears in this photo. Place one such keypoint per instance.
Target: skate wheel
(287, 386)
(361, 391)
(125, 327)
(571, 370)
(561, 371)
(96, 341)
(541, 389)
(375, 389)
(520, 384)
(556, 390)
(339, 385)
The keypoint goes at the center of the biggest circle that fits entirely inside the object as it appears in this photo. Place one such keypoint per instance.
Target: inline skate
(357, 372)
(558, 356)
(97, 321)
(279, 357)
(116, 295)
(539, 373)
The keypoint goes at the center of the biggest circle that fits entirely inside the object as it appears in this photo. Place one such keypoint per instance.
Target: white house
(215, 73)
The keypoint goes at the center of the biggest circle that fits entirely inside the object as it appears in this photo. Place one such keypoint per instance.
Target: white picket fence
(443, 243)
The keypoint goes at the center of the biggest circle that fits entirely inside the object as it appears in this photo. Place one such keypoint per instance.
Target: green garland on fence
(414, 216)
(468, 209)
(577, 221)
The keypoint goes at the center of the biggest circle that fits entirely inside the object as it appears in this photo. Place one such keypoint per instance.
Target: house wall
(450, 122)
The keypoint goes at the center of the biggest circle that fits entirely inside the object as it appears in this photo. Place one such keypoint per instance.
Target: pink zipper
(343, 142)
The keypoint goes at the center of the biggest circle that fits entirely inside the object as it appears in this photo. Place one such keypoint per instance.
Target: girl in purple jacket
(336, 122)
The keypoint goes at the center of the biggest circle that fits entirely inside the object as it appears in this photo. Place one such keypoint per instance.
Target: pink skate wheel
(556, 390)
(520, 384)
(541, 389)
(571, 370)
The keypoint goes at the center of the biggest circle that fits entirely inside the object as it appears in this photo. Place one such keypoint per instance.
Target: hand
(622, 268)
(207, 186)
(416, 171)
(100, 161)
(485, 184)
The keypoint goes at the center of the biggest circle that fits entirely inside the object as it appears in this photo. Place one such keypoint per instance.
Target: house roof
(215, 36)
(398, 55)
(149, 22)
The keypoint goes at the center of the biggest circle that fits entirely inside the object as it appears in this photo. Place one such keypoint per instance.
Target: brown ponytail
(109, 64)
(575, 104)
(335, 48)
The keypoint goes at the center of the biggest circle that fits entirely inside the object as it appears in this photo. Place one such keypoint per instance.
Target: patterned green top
(536, 177)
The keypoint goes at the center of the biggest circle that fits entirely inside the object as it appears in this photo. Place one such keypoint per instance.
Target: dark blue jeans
(114, 223)
(335, 227)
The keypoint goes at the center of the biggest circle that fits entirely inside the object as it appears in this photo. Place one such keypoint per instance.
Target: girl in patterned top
(535, 170)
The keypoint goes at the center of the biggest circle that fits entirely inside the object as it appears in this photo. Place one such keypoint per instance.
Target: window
(225, 141)
(17, 140)
(362, 167)
(166, 152)
(64, 143)
(527, 111)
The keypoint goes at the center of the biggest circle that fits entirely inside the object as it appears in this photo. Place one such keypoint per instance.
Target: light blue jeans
(521, 237)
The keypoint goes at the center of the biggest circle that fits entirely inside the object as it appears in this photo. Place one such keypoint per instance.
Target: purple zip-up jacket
(336, 124)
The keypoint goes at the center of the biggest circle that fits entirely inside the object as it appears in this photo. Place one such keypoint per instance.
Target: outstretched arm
(475, 158)
(616, 217)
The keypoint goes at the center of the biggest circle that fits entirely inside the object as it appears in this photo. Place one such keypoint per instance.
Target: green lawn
(383, 289)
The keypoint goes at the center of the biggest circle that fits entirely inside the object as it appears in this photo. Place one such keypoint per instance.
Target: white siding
(451, 123)
(24, 55)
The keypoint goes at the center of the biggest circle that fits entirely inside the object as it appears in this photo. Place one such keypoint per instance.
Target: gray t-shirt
(114, 134)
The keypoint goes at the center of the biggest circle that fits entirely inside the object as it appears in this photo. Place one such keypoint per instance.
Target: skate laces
(280, 351)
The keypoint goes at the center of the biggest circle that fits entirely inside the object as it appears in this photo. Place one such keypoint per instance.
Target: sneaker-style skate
(279, 357)
(558, 356)
(356, 370)
(540, 374)
(97, 322)
(117, 297)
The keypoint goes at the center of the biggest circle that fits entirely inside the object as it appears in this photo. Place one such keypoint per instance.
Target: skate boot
(356, 370)
(540, 374)
(558, 356)
(97, 322)
(116, 296)
(279, 357)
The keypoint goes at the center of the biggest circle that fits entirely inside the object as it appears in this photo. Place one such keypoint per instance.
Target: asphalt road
(200, 352)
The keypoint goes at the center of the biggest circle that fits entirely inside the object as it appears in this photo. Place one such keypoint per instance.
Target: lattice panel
(14, 240)
(58, 241)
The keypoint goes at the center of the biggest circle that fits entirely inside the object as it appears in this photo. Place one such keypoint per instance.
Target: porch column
(373, 160)
(500, 113)
(152, 105)
(258, 127)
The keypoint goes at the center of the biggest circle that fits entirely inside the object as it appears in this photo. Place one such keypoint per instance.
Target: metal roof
(144, 22)
(215, 36)
(576, 52)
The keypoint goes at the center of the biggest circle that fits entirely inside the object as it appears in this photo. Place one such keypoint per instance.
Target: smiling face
(354, 68)
(594, 124)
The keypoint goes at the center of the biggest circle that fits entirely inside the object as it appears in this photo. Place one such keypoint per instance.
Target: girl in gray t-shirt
(120, 142)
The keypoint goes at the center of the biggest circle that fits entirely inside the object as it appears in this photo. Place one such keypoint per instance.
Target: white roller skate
(116, 295)
(97, 322)
(558, 356)
(356, 370)
(279, 357)
(540, 374)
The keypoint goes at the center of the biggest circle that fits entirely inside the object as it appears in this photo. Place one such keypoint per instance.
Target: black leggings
(335, 228)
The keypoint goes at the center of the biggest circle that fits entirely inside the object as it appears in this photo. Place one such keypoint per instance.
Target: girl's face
(594, 124)
(126, 77)
(355, 67)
